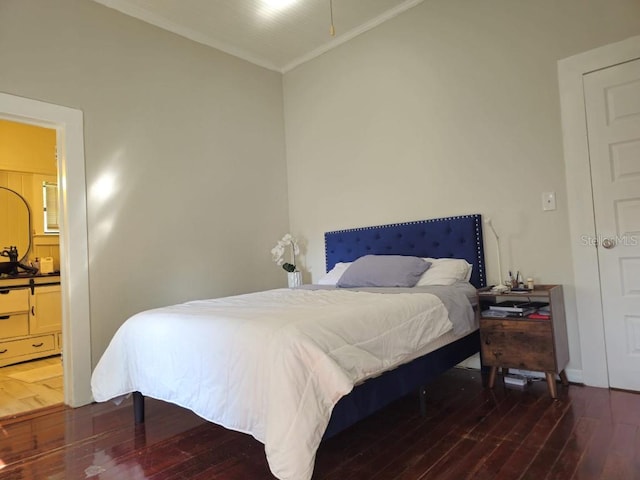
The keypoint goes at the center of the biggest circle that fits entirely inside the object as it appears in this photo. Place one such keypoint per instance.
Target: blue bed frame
(450, 237)
(455, 237)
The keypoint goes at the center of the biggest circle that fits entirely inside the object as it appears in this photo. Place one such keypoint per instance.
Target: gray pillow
(384, 271)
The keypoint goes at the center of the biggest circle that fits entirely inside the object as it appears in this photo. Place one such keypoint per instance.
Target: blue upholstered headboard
(451, 237)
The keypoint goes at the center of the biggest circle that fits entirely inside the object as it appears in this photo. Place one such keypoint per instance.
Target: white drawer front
(28, 348)
(16, 300)
(14, 325)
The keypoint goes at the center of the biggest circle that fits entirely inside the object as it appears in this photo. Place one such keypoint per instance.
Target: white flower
(278, 252)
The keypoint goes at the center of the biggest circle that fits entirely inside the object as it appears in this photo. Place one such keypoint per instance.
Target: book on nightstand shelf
(544, 310)
(518, 306)
(490, 313)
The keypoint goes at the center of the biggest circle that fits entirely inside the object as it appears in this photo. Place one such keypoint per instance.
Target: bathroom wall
(27, 157)
(27, 148)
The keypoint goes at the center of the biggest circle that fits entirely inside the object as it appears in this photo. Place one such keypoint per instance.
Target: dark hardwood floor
(468, 432)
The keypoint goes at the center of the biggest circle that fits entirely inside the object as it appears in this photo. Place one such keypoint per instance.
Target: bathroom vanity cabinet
(30, 321)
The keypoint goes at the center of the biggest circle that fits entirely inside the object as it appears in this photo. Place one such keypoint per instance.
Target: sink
(9, 268)
(16, 269)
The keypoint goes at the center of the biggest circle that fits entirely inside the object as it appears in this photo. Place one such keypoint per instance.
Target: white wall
(450, 108)
(184, 149)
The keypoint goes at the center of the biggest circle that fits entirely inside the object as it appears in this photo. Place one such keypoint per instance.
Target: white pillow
(333, 275)
(445, 271)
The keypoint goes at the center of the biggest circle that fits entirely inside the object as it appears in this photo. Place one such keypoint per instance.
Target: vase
(294, 279)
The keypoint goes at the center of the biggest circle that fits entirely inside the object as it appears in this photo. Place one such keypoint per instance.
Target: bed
(328, 375)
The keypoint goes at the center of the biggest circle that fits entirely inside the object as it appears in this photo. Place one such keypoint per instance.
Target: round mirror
(15, 223)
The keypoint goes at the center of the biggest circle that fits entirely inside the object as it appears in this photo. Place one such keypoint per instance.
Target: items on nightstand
(500, 288)
(518, 309)
(517, 284)
(543, 313)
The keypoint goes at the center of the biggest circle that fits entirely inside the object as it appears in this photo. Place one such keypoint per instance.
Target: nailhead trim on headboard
(423, 238)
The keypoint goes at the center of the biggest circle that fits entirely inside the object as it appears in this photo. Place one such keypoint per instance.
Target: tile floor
(30, 385)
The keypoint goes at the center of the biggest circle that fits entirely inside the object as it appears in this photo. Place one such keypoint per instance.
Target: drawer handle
(4, 292)
(497, 354)
(487, 341)
(37, 345)
(5, 317)
(33, 310)
(4, 351)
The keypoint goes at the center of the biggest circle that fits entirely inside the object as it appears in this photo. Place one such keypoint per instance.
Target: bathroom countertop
(26, 280)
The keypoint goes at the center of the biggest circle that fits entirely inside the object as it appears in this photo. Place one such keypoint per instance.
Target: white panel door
(612, 99)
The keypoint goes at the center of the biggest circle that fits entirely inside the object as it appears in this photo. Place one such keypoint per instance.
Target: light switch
(548, 200)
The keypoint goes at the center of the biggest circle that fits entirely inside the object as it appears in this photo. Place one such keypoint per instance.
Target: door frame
(580, 200)
(74, 259)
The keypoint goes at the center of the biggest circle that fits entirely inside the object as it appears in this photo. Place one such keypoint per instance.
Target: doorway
(31, 376)
(596, 290)
(76, 320)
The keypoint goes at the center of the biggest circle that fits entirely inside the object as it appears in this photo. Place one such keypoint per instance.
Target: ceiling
(275, 34)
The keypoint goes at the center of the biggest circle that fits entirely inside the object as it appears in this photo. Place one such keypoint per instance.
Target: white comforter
(272, 364)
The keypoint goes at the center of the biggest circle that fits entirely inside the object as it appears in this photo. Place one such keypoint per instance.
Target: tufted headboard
(450, 237)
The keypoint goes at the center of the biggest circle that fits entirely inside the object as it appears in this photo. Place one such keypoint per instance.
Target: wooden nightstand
(525, 343)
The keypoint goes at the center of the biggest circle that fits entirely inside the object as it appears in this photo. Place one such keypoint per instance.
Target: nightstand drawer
(518, 344)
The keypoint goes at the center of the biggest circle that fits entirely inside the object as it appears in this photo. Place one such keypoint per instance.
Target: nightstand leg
(492, 376)
(551, 383)
(564, 379)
